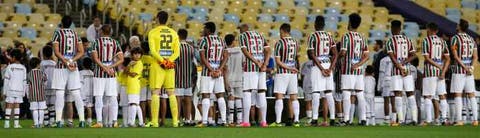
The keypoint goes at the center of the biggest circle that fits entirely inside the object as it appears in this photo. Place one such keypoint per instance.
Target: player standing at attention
(320, 46)
(402, 51)
(86, 78)
(465, 56)
(286, 78)
(15, 83)
(370, 95)
(165, 49)
(183, 75)
(437, 60)
(134, 72)
(36, 92)
(107, 55)
(355, 54)
(47, 66)
(214, 56)
(233, 79)
(68, 49)
(257, 53)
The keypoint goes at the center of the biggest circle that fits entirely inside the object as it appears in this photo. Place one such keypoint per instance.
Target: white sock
(394, 117)
(399, 106)
(51, 114)
(41, 115)
(114, 108)
(223, 109)
(331, 104)
(278, 110)
(315, 105)
(413, 107)
(140, 115)
(8, 114)
(16, 117)
(443, 108)
(59, 104)
(296, 110)
(428, 105)
(353, 107)
(132, 110)
(205, 107)
(238, 105)
(458, 108)
(35, 117)
(99, 108)
(361, 105)
(45, 116)
(79, 104)
(231, 110)
(262, 101)
(346, 105)
(473, 103)
(210, 120)
(126, 113)
(247, 102)
(309, 114)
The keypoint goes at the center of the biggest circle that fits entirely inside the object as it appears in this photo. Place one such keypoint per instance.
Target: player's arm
(225, 78)
(455, 54)
(80, 50)
(446, 64)
(474, 56)
(224, 60)
(153, 46)
(365, 56)
(266, 53)
(175, 48)
(282, 65)
(344, 46)
(311, 53)
(118, 56)
(334, 57)
(57, 53)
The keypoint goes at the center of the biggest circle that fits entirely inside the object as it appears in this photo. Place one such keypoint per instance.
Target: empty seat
(296, 33)
(3, 16)
(36, 18)
(302, 3)
(200, 10)
(53, 18)
(7, 8)
(332, 11)
(145, 17)
(331, 26)
(184, 9)
(265, 18)
(454, 18)
(198, 16)
(10, 32)
(41, 8)
(453, 12)
(281, 18)
(270, 4)
(21, 8)
(29, 33)
(231, 18)
(13, 24)
(6, 42)
(469, 4)
(187, 2)
(377, 34)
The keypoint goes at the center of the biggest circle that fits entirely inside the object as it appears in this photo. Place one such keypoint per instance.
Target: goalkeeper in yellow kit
(165, 48)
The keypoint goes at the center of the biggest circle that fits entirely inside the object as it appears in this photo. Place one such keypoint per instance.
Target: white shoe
(17, 126)
(6, 125)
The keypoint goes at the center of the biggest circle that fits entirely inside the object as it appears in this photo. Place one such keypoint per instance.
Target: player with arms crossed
(464, 52)
(165, 49)
(257, 53)
(401, 51)
(68, 49)
(355, 54)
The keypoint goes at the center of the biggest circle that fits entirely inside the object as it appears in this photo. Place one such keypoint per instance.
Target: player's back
(48, 67)
(15, 75)
(355, 45)
(36, 79)
(162, 41)
(235, 60)
(68, 41)
(286, 48)
(464, 45)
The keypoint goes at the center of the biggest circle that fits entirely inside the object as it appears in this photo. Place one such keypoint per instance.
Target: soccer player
(47, 66)
(233, 80)
(257, 53)
(107, 55)
(183, 75)
(465, 56)
(36, 92)
(384, 83)
(164, 48)
(15, 83)
(437, 60)
(402, 51)
(68, 49)
(321, 47)
(214, 56)
(134, 72)
(86, 78)
(355, 54)
(370, 95)
(286, 78)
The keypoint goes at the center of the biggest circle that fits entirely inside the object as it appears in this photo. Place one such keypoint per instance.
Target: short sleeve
(203, 44)
(118, 47)
(364, 45)
(445, 49)
(311, 41)
(389, 45)
(425, 49)
(345, 42)
(411, 46)
(243, 41)
(56, 37)
(94, 47)
(265, 44)
(278, 48)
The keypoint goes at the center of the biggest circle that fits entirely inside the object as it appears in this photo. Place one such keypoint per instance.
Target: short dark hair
(369, 69)
(84, 40)
(87, 63)
(379, 42)
(162, 17)
(106, 29)
(66, 21)
(285, 27)
(126, 61)
(319, 22)
(463, 25)
(432, 26)
(354, 20)
(16, 54)
(229, 38)
(47, 51)
(146, 48)
(34, 62)
(182, 33)
(210, 26)
(396, 24)
(136, 50)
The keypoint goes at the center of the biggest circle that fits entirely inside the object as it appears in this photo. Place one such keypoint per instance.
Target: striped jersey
(400, 46)
(321, 42)
(146, 60)
(286, 49)
(36, 85)
(255, 44)
(184, 66)
(434, 47)
(68, 41)
(464, 45)
(106, 48)
(355, 45)
(48, 66)
(212, 46)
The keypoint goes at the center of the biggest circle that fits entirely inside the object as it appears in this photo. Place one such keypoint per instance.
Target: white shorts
(285, 83)
(14, 99)
(133, 99)
(64, 78)
(38, 105)
(338, 96)
(105, 86)
(320, 82)
(399, 83)
(123, 96)
(254, 81)
(145, 94)
(462, 82)
(352, 82)
(236, 92)
(183, 92)
(211, 85)
(433, 86)
(386, 90)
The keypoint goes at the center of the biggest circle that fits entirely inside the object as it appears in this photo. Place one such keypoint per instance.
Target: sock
(278, 110)
(79, 104)
(35, 117)
(473, 103)
(231, 110)
(315, 105)
(106, 110)
(51, 114)
(126, 115)
(352, 112)
(238, 105)
(89, 120)
(210, 120)
(386, 118)
(247, 102)
(205, 108)
(362, 104)
(413, 108)
(262, 102)
(331, 105)
(154, 108)
(41, 116)
(394, 117)
(465, 112)
(45, 116)
(16, 113)
(8, 113)
(59, 104)
(174, 107)
(113, 110)
(222, 108)
(443, 108)
(132, 112)
(399, 106)
(140, 115)
(458, 108)
(346, 105)
(99, 108)
(296, 110)
(309, 115)
(428, 105)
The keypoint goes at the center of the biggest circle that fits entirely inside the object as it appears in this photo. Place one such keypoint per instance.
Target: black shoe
(314, 123)
(363, 123)
(332, 122)
(289, 122)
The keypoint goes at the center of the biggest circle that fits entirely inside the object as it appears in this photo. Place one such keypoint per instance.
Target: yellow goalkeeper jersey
(164, 44)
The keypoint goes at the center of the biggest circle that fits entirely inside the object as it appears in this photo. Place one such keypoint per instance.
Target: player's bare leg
(179, 107)
(143, 107)
(163, 111)
(324, 111)
(187, 110)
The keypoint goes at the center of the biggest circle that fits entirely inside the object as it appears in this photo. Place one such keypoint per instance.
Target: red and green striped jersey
(321, 42)
(68, 41)
(255, 44)
(36, 84)
(355, 45)
(286, 49)
(184, 66)
(401, 46)
(464, 45)
(213, 47)
(434, 47)
(106, 48)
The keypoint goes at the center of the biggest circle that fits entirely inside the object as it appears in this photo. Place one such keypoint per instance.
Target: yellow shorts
(161, 78)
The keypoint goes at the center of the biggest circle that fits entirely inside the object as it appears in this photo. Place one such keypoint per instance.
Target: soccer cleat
(332, 122)
(201, 125)
(314, 123)
(150, 124)
(97, 125)
(324, 124)
(458, 124)
(394, 124)
(59, 124)
(70, 124)
(245, 124)
(6, 125)
(263, 124)
(296, 124)
(82, 124)
(175, 124)
(275, 124)
(232, 125)
(424, 124)
(115, 125)
(475, 123)
(17, 126)
(363, 123)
